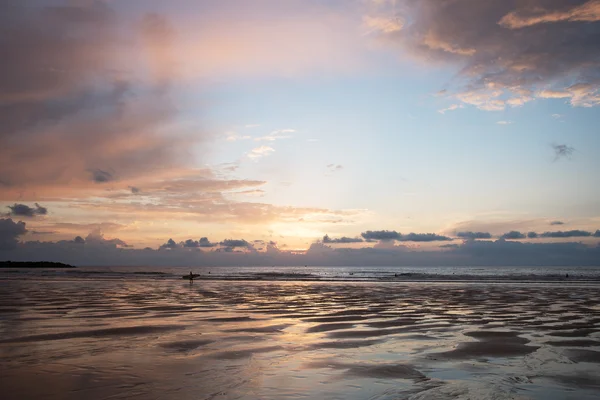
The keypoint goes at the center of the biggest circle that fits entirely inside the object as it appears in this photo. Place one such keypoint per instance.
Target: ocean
(329, 273)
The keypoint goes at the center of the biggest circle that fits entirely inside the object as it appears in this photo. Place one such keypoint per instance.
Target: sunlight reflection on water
(287, 340)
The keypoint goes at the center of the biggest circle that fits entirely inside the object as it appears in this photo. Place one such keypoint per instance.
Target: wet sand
(150, 339)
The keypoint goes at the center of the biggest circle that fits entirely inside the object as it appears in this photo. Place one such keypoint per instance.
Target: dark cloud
(190, 243)
(532, 235)
(566, 234)
(43, 84)
(507, 52)
(232, 243)
(40, 210)
(468, 253)
(370, 236)
(327, 239)
(79, 240)
(597, 233)
(23, 210)
(556, 223)
(423, 237)
(203, 242)
(10, 232)
(513, 235)
(100, 176)
(474, 235)
(70, 102)
(171, 244)
(381, 235)
(562, 151)
(134, 190)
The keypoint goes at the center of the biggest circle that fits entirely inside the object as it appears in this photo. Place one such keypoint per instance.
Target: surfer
(191, 276)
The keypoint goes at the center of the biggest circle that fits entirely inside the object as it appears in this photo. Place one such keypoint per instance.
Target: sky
(300, 131)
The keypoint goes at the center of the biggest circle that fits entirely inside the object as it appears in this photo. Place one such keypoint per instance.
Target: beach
(148, 338)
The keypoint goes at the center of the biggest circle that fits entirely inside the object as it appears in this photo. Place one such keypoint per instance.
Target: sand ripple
(322, 340)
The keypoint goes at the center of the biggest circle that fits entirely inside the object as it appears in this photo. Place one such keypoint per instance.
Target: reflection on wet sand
(278, 340)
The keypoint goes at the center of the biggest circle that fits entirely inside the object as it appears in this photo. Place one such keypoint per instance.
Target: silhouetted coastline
(33, 264)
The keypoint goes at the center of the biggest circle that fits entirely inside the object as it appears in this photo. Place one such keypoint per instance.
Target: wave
(325, 274)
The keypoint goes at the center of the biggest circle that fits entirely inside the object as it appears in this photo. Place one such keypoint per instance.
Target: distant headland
(33, 264)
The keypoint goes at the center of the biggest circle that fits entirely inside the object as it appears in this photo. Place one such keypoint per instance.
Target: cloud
(381, 235)
(170, 244)
(379, 24)
(566, 234)
(190, 243)
(554, 94)
(23, 210)
(597, 233)
(334, 167)
(469, 253)
(96, 238)
(203, 242)
(453, 107)
(271, 38)
(42, 232)
(134, 189)
(198, 184)
(206, 202)
(98, 109)
(411, 237)
(556, 223)
(235, 243)
(580, 94)
(474, 235)
(423, 237)
(562, 151)
(253, 193)
(10, 232)
(100, 176)
(504, 122)
(276, 135)
(327, 239)
(259, 152)
(513, 235)
(532, 235)
(506, 53)
(586, 12)
(497, 225)
(234, 137)
(77, 228)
